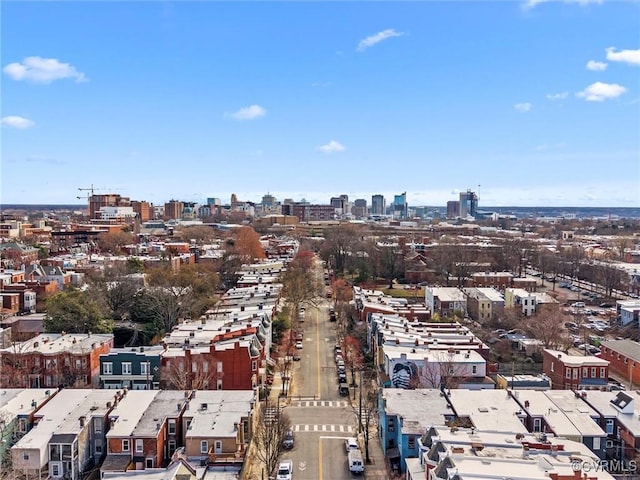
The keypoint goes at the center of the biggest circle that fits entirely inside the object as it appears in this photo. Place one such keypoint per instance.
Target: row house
(49, 273)
(9, 303)
(374, 301)
(227, 364)
(217, 426)
(54, 359)
(19, 253)
(446, 301)
(623, 357)
(135, 368)
(574, 372)
(67, 438)
(483, 454)
(628, 312)
(26, 296)
(23, 327)
(562, 413)
(619, 417)
(520, 299)
(498, 280)
(484, 304)
(18, 407)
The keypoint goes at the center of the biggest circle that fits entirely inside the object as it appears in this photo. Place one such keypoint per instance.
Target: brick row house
(54, 359)
(575, 372)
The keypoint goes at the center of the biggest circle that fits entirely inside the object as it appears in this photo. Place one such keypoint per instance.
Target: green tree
(75, 311)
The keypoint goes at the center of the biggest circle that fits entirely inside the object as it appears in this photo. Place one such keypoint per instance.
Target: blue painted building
(406, 415)
(137, 368)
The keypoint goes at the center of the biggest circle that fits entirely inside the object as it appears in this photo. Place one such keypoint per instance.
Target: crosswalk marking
(321, 403)
(323, 428)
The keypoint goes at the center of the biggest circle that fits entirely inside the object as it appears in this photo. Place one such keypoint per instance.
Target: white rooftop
(489, 410)
(129, 411)
(222, 409)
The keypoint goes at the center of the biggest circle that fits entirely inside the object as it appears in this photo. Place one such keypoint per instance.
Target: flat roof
(17, 401)
(223, 409)
(51, 416)
(95, 404)
(129, 411)
(578, 360)
(626, 347)
(601, 402)
(167, 403)
(489, 410)
(432, 408)
(55, 343)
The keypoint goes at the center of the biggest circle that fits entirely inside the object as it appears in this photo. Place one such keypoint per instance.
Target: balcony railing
(219, 458)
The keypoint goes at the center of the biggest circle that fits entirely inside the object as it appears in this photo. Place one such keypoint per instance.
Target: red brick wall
(623, 366)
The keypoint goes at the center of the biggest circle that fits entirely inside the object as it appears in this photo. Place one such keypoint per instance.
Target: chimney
(526, 404)
(82, 420)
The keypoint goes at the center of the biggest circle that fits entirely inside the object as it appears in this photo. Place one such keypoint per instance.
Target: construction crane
(90, 189)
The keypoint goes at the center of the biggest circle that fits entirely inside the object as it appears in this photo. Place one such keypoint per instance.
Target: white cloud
(249, 113)
(523, 107)
(321, 84)
(43, 70)
(377, 38)
(598, 92)
(596, 66)
(557, 96)
(627, 56)
(332, 147)
(17, 122)
(529, 4)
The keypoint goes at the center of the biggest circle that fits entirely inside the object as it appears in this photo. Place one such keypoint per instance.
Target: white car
(350, 444)
(285, 470)
(299, 345)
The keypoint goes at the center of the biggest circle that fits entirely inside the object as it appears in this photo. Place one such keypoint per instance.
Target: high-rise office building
(106, 200)
(172, 210)
(468, 204)
(400, 207)
(453, 209)
(378, 205)
(359, 208)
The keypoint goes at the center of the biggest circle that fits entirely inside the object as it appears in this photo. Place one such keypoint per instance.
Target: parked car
(350, 444)
(296, 357)
(342, 377)
(289, 440)
(299, 345)
(356, 464)
(285, 470)
(343, 389)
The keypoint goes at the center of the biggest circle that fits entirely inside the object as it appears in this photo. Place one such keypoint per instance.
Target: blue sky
(538, 103)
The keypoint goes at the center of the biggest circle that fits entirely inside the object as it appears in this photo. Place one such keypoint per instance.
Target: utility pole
(360, 405)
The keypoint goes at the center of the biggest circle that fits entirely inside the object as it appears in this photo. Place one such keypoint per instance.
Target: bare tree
(368, 415)
(271, 425)
(178, 375)
(441, 370)
(548, 327)
(7, 432)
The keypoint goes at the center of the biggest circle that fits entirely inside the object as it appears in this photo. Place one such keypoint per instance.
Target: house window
(97, 425)
(78, 363)
(125, 445)
(603, 373)
(609, 427)
(126, 368)
(25, 456)
(391, 424)
(98, 446)
(194, 367)
(567, 372)
(254, 366)
(172, 427)
(149, 463)
(585, 372)
(596, 443)
(204, 446)
(205, 367)
(55, 470)
(172, 446)
(22, 425)
(575, 373)
(474, 369)
(219, 384)
(609, 444)
(47, 380)
(552, 363)
(139, 445)
(411, 442)
(537, 424)
(219, 367)
(218, 446)
(107, 368)
(144, 368)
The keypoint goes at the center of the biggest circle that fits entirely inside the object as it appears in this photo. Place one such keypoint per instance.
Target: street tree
(271, 425)
(338, 246)
(388, 259)
(300, 284)
(113, 242)
(441, 370)
(200, 375)
(75, 311)
(368, 415)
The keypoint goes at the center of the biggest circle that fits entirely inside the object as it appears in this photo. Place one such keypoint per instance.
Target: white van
(356, 464)
(578, 305)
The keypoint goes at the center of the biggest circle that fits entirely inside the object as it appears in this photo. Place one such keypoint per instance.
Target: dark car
(342, 377)
(343, 389)
(289, 440)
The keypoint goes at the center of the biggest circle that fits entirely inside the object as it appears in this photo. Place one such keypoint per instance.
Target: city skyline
(536, 102)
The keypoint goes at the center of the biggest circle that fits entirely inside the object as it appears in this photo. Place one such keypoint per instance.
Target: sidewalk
(377, 468)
